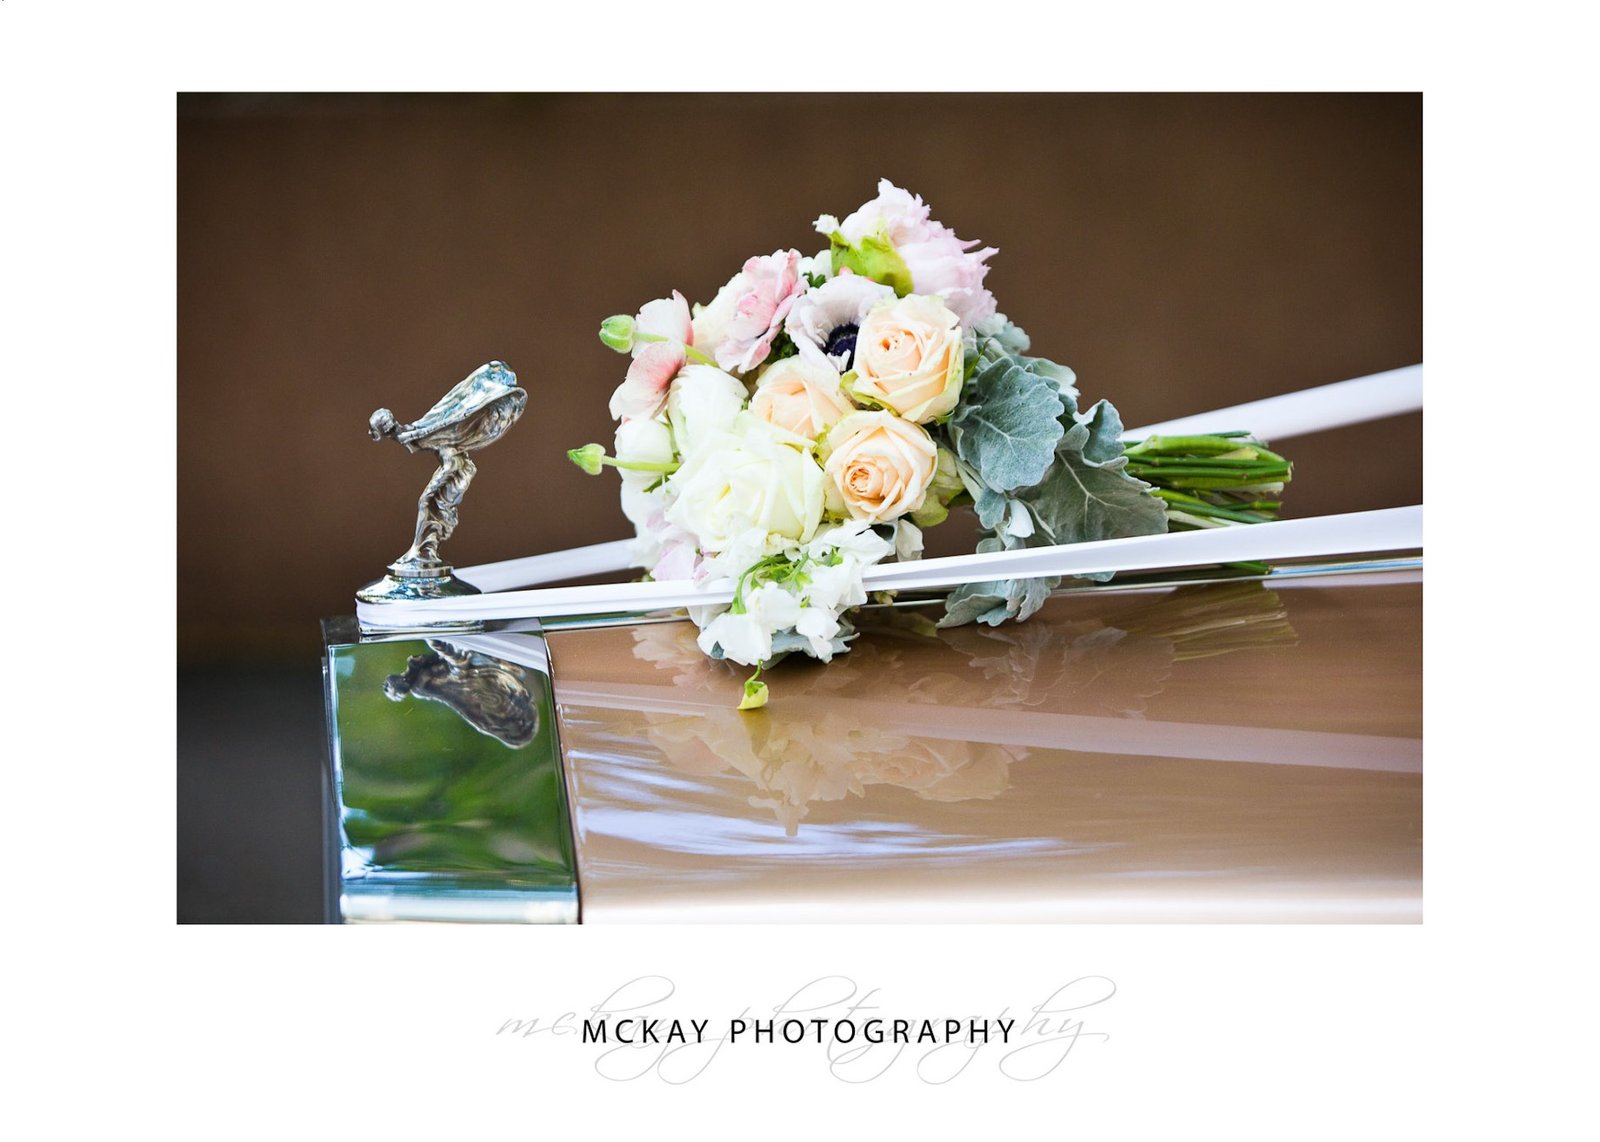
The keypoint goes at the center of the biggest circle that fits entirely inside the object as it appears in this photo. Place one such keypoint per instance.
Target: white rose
(702, 404)
(743, 550)
(909, 358)
(642, 441)
(647, 512)
(878, 466)
(753, 476)
(802, 395)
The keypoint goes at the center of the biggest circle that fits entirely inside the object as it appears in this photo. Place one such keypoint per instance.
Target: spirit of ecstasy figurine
(474, 414)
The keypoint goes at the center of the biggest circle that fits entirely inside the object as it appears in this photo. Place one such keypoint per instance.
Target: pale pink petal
(644, 391)
(677, 562)
(665, 317)
(941, 264)
(770, 286)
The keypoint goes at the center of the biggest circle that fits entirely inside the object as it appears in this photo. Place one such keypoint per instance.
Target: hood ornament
(473, 415)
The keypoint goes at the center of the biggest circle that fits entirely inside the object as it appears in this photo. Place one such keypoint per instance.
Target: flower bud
(588, 458)
(755, 693)
(617, 333)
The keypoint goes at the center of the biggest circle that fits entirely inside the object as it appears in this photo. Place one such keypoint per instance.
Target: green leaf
(782, 346)
(1065, 380)
(994, 602)
(974, 602)
(991, 507)
(1028, 595)
(1008, 424)
(1087, 495)
(1010, 336)
(1028, 456)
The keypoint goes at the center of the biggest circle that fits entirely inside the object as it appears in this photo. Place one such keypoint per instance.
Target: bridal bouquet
(821, 411)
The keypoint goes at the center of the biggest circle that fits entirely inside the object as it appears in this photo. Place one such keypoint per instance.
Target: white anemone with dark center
(826, 318)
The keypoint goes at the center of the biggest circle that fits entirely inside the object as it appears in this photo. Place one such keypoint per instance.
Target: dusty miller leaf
(991, 507)
(1087, 495)
(1008, 424)
(976, 602)
(1065, 380)
(994, 602)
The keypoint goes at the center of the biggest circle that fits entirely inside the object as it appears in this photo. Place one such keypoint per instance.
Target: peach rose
(801, 395)
(909, 358)
(877, 467)
(940, 770)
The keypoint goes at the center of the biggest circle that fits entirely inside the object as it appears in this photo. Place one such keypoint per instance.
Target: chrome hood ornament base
(473, 415)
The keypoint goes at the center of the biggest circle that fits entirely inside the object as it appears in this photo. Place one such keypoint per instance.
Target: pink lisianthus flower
(658, 356)
(766, 290)
(940, 263)
(666, 317)
(644, 391)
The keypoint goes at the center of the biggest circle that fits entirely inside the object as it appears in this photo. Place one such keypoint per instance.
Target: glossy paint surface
(1212, 752)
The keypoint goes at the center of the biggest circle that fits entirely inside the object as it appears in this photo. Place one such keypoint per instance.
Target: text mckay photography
(854, 1031)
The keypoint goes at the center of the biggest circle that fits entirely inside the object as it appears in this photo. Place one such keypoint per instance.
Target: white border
(1462, 1022)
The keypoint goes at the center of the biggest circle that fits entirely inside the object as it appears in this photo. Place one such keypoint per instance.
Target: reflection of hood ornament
(473, 415)
(490, 694)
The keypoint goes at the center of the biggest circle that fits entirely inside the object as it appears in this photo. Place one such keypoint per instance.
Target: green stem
(1180, 517)
(1208, 468)
(638, 465)
(1233, 463)
(1197, 506)
(1272, 488)
(1216, 442)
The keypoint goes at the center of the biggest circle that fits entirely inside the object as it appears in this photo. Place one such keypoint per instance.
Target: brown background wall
(340, 253)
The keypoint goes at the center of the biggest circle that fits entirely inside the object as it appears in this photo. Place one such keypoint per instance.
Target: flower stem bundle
(1222, 480)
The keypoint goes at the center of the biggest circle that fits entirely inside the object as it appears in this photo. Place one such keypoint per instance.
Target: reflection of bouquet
(798, 762)
(820, 411)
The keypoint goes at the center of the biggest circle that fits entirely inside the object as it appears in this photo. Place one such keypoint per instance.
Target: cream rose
(801, 395)
(909, 358)
(753, 476)
(940, 770)
(878, 466)
(701, 404)
(641, 441)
